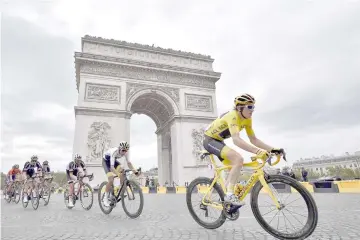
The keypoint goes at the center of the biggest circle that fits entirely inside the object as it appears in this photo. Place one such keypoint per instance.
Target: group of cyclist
(114, 161)
(27, 172)
(225, 126)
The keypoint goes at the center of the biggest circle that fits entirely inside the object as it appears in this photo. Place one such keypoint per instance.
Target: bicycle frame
(123, 184)
(81, 184)
(258, 175)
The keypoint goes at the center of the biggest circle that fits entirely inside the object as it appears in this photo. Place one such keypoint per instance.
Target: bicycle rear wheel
(86, 192)
(312, 210)
(189, 195)
(130, 190)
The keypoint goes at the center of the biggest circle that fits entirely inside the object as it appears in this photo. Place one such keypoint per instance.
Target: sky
(300, 59)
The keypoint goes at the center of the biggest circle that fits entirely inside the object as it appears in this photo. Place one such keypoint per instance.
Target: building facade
(319, 164)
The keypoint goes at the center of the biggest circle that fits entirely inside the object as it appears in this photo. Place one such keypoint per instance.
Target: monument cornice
(90, 111)
(80, 56)
(98, 67)
(145, 47)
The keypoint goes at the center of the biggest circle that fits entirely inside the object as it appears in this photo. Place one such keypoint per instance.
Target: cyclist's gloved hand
(263, 154)
(279, 151)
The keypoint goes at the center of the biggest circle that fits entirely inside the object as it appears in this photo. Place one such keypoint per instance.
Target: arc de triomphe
(176, 89)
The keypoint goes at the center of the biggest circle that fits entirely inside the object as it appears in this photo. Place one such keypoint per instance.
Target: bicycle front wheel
(23, 196)
(309, 223)
(17, 194)
(129, 192)
(9, 194)
(46, 193)
(86, 193)
(66, 198)
(204, 209)
(35, 198)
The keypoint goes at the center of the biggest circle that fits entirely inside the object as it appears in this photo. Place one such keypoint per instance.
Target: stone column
(177, 151)
(160, 159)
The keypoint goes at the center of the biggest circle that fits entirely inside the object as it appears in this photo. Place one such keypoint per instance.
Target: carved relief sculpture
(98, 140)
(198, 103)
(96, 92)
(198, 138)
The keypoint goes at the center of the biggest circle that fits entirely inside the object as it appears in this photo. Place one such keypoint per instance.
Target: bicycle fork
(271, 190)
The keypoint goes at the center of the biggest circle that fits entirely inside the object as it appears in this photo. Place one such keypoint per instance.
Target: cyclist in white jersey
(114, 160)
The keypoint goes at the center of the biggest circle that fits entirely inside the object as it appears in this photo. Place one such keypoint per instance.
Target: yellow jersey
(229, 124)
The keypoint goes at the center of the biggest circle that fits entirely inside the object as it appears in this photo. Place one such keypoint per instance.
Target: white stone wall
(119, 131)
(101, 83)
(99, 174)
(185, 164)
(205, 99)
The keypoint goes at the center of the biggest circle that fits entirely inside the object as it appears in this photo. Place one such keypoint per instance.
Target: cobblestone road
(164, 217)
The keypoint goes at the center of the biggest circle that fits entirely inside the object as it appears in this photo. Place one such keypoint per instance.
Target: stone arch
(155, 103)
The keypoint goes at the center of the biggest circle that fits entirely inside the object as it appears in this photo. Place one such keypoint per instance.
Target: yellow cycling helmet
(244, 99)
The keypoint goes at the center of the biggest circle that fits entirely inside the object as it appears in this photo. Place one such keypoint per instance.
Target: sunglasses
(250, 107)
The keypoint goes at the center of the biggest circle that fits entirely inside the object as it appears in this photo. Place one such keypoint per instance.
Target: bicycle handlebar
(130, 170)
(90, 176)
(268, 160)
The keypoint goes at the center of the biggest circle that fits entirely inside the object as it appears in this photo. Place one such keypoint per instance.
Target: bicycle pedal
(233, 209)
(203, 207)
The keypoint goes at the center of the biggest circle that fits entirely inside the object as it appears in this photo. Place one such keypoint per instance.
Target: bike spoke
(270, 211)
(274, 216)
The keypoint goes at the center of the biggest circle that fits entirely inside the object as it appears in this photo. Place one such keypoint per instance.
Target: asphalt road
(164, 217)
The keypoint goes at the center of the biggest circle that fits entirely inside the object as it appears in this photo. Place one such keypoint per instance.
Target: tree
(285, 169)
(3, 177)
(60, 178)
(312, 175)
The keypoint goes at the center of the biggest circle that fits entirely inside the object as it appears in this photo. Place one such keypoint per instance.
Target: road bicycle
(34, 192)
(127, 190)
(44, 188)
(14, 193)
(259, 180)
(81, 191)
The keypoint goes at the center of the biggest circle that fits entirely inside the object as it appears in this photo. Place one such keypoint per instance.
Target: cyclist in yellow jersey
(229, 125)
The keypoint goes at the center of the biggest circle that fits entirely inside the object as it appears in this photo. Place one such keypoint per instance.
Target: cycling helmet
(14, 166)
(77, 157)
(124, 145)
(45, 162)
(34, 158)
(244, 99)
(17, 166)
